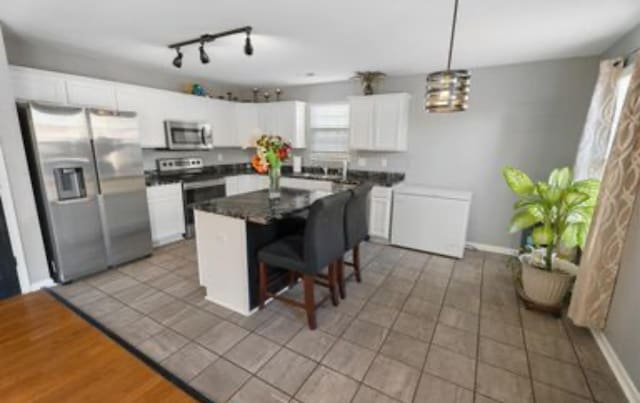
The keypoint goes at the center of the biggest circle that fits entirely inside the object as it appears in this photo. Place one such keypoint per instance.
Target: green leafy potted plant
(560, 212)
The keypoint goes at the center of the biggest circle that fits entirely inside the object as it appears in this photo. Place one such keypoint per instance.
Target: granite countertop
(354, 177)
(256, 206)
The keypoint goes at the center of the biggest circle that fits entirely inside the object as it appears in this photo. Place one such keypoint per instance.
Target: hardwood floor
(49, 354)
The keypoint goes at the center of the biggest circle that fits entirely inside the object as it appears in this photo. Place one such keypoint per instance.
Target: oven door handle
(203, 184)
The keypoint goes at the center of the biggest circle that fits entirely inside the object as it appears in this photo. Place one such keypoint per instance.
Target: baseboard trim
(40, 284)
(628, 387)
(167, 240)
(492, 248)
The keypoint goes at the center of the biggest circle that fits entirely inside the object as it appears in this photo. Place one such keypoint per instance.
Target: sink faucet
(345, 169)
(325, 169)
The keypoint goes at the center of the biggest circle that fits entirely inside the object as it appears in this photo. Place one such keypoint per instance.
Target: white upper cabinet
(222, 118)
(91, 93)
(361, 123)
(34, 85)
(286, 119)
(379, 122)
(234, 124)
(292, 122)
(152, 107)
(247, 126)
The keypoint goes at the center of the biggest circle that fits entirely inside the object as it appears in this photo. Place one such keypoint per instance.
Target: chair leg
(333, 275)
(356, 263)
(263, 283)
(309, 300)
(293, 276)
(340, 278)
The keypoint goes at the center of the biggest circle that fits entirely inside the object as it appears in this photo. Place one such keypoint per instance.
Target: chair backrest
(356, 218)
(324, 231)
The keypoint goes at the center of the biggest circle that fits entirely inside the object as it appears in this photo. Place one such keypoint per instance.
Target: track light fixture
(248, 47)
(177, 61)
(206, 38)
(204, 57)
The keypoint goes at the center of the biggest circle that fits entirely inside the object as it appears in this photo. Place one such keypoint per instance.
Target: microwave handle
(203, 135)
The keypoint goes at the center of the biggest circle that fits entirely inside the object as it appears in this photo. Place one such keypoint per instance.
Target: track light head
(248, 47)
(204, 57)
(177, 61)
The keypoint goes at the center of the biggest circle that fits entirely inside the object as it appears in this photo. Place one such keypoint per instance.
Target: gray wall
(527, 115)
(623, 325)
(18, 172)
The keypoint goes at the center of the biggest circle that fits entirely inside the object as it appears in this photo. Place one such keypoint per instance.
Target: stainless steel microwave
(188, 135)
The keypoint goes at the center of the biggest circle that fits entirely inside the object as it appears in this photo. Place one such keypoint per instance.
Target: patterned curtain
(592, 152)
(603, 251)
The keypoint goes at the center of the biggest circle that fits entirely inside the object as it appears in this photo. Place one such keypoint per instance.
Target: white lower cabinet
(166, 213)
(245, 183)
(306, 184)
(380, 212)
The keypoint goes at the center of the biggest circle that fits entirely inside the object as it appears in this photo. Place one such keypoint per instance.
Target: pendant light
(448, 90)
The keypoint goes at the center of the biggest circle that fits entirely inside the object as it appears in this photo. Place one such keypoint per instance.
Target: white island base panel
(221, 243)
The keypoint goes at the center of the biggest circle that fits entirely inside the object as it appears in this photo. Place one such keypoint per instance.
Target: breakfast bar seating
(231, 231)
(320, 246)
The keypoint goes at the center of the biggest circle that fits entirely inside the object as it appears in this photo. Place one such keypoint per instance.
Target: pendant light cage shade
(448, 91)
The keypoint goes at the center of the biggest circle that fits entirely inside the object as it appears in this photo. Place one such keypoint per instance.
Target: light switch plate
(362, 162)
(383, 162)
(220, 157)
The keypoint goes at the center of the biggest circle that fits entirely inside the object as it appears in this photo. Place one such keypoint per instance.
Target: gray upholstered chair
(321, 245)
(356, 229)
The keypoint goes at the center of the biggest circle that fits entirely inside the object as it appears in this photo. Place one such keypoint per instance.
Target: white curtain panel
(592, 152)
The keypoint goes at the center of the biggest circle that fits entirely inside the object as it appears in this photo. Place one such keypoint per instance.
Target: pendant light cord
(453, 34)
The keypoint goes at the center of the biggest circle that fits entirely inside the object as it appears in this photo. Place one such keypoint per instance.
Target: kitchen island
(229, 233)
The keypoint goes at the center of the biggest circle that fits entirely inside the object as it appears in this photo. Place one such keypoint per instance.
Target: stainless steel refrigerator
(88, 178)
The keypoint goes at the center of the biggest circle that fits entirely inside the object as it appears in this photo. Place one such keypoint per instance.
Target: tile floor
(420, 328)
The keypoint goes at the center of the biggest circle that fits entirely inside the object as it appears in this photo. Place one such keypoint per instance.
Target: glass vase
(274, 183)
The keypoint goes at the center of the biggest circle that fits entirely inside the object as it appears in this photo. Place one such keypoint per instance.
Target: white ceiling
(332, 38)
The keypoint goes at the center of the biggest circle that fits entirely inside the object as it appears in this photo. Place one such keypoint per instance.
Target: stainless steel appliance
(188, 135)
(197, 185)
(88, 178)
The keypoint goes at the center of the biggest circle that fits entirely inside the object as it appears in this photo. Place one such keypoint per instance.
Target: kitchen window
(329, 127)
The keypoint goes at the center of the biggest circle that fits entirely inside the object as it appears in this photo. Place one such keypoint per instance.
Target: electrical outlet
(220, 157)
(362, 162)
(383, 162)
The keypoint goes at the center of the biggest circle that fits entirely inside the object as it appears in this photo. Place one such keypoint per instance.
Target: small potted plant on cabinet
(560, 212)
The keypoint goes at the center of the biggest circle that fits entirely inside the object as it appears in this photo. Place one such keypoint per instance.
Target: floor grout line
(477, 363)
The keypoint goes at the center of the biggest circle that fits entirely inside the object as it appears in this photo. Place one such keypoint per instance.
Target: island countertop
(256, 207)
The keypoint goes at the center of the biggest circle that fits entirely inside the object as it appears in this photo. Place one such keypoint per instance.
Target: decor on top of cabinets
(204, 57)
(271, 151)
(559, 211)
(369, 80)
(448, 90)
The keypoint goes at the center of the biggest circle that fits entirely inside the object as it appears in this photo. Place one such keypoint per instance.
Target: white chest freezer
(430, 219)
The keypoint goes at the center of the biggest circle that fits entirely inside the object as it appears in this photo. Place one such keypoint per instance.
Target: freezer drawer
(430, 223)
(126, 226)
(78, 243)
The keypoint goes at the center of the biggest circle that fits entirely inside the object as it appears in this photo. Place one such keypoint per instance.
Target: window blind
(329, 125)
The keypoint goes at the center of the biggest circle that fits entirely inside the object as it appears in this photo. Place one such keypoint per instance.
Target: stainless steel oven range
(197, 186)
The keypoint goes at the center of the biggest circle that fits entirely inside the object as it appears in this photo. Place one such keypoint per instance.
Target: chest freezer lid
(427, 191)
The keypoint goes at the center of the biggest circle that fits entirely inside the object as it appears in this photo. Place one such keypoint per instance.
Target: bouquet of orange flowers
(270, 152)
